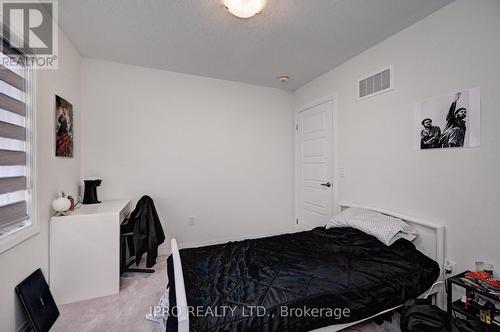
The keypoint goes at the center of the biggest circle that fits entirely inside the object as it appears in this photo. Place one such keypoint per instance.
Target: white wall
(54, 174)
(218, 150)
(223, 151)
(454, 48)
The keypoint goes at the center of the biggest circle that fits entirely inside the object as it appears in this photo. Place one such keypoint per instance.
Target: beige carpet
(125, 311)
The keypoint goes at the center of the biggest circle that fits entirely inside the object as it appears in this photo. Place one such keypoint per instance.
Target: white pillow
(407, 236)
(385, 228)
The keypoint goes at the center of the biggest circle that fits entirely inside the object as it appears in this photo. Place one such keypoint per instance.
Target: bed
(274, 283)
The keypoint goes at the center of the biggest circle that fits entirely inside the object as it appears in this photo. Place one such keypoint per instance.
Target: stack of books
(483, 282)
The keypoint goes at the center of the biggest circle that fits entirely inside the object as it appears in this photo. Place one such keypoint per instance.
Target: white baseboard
(184, 245)
(303, 228)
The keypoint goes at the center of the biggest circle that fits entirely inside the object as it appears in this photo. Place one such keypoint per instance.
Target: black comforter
(298, 281)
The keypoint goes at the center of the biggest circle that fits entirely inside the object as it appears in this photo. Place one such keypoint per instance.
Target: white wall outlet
(450, 267)
(192, 220)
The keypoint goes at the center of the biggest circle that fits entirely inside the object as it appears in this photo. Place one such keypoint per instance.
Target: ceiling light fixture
(244, 8)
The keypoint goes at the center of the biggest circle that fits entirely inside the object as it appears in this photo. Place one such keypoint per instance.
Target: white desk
(85, 251)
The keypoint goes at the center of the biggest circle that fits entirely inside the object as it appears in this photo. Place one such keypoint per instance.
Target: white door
(315, 166)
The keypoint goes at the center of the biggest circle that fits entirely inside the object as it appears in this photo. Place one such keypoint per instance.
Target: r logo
(29, 26)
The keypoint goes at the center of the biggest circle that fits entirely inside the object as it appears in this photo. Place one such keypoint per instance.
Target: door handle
(328, 184)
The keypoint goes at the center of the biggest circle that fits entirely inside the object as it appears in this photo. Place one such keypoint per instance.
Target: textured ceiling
(302, 38)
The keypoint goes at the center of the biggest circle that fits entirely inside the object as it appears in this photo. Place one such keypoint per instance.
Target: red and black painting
(64, 128)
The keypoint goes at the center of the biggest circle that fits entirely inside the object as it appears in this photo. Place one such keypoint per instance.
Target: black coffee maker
(90, 191)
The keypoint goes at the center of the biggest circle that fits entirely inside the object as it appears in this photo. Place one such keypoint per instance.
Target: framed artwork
(64, 128)
(449, 121)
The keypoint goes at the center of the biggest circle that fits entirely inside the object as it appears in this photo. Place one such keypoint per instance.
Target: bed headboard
(430, 239)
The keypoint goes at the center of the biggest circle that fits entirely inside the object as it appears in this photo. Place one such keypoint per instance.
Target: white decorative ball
(61, 204)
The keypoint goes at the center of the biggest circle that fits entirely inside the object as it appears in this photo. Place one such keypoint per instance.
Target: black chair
(127, 240)
(143, 234)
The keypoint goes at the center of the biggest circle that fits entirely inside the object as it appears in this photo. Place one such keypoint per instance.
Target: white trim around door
(323, 182)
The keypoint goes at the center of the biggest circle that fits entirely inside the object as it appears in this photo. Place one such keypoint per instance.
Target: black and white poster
(449, 121)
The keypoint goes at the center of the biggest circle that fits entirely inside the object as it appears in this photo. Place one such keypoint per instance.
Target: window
(16, 143)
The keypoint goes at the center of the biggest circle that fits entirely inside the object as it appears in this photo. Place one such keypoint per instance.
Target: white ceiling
(302, 38)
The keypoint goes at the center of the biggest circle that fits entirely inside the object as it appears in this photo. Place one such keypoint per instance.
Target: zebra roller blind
(14, 163)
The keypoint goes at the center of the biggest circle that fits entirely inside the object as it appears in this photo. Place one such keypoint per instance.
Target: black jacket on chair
(148, 233)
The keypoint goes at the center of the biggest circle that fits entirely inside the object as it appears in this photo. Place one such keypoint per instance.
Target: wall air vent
(375, 84)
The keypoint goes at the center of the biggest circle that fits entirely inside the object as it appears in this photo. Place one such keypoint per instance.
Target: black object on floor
(421, 316)
(37, 301)
(468, 325)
